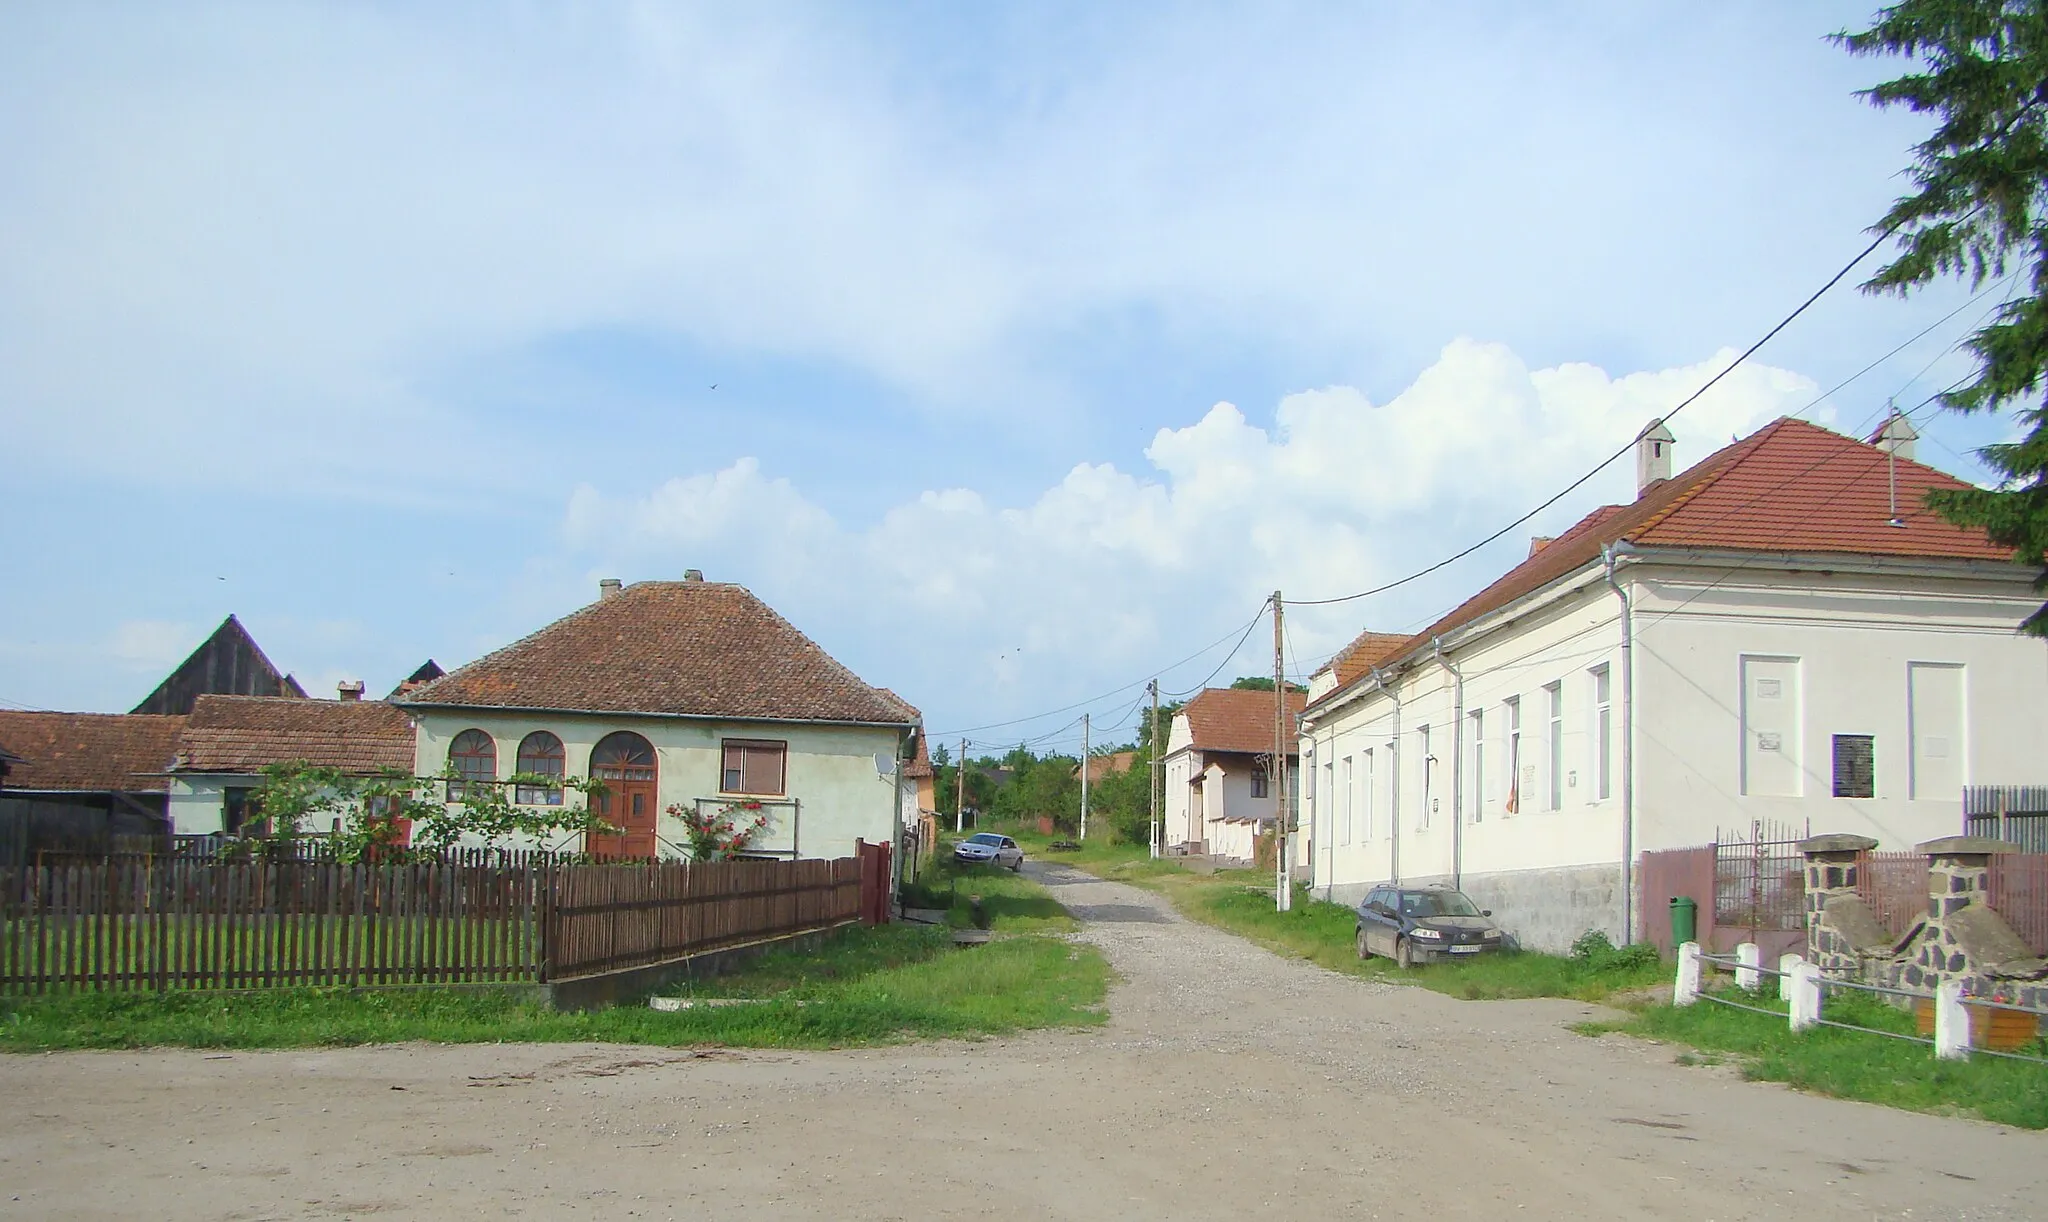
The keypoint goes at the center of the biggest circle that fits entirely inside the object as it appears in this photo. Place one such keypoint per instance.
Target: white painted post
(1804, 993)
(1686, 989)
(1787, 964)
(1951, 1023)
(1749, 956)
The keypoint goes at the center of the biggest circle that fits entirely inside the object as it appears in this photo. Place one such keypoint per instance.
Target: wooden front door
(625, 763)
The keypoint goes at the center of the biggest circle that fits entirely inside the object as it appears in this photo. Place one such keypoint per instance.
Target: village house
(228, 741)
(679, 695)
(226, 663)
(1781, 633)
(1218, 766)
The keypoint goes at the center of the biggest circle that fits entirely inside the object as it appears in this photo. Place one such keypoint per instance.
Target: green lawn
(863, 986)
(1848, 1064)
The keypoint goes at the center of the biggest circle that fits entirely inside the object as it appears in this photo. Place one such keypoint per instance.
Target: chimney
(693, 574)
(1538, 542)
(1653, 456)
(1897, 436)
(608, 588)
(350, 689)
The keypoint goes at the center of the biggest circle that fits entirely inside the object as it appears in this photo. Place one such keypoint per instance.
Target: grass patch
(1323, 933)
(864, 986)
(1851, 1064)
(1010, 902)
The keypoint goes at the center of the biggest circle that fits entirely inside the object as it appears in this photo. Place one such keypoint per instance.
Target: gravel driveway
(1229, 1083)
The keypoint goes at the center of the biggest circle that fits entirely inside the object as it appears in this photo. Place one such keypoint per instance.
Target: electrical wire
(1227, 658)
(1576, 484)
(1115, 691)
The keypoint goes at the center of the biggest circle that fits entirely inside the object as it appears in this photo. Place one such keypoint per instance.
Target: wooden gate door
(625, 763)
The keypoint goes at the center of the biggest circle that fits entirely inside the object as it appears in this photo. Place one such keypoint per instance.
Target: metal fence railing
(2019, 893)
(1894, 885)
(2016, 814)
(1760, 878)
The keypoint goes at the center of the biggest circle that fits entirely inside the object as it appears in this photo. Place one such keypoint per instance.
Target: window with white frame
(1344, 806)
(1554, 695)
(1475, 782)
(1428, 778)
(1365, 810)
(1512, 707)
(1603, 737)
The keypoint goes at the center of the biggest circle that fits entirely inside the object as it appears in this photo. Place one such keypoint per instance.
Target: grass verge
(1848, 1064)
(1010, 902)
(864, 986)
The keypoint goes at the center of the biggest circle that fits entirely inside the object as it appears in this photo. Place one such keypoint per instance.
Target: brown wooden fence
(609, 918)
(152, 922)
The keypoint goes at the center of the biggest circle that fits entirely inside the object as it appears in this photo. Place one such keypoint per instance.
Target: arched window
(475, 759)
(623, 756)
(540, 754)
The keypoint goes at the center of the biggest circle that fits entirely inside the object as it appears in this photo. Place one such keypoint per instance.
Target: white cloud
(1108, 572)
(147, 643)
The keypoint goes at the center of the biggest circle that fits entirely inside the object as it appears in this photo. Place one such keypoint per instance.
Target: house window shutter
(755, 766)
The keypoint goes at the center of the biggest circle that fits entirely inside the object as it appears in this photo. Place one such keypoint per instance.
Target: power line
(1115, 691)
(1228, 658)
(1576, 484)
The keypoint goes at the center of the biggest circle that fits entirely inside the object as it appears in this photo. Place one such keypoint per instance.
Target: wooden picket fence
(611, 918)
(158, 922)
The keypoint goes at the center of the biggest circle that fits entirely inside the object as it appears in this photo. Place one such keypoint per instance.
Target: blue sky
(1046, 339)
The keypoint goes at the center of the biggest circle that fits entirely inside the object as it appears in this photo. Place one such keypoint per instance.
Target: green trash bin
(1685, 920)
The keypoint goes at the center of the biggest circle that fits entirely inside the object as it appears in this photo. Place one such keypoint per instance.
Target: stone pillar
(1958, 876)
(1831, 870)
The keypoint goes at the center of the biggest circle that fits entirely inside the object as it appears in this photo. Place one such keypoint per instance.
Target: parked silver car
(987, 848)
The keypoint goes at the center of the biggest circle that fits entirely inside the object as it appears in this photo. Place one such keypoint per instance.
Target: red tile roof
(1361, 655)
(1226, 719)
(1100, 766)
(90, 752)
(243, 734)
(1789, 487)
(682, 648)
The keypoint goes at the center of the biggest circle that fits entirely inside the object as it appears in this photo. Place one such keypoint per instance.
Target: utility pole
(960, 790)
(1152, 793)
(1084, 777)
(1284, 895)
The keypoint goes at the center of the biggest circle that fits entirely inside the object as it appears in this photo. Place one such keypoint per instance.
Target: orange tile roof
(243, 734)
(1359, 657)
(1226, 719)
(90, 752)
(1100, 766)
(1789, 487)
(681, 648)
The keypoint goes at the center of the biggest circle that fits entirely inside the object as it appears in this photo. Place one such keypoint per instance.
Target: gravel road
(1229, 1083)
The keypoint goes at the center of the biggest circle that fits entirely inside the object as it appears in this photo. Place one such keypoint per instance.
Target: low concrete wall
(611, 988)
(1547, 910)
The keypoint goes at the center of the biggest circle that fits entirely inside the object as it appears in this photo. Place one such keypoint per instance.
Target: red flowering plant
(723, 831)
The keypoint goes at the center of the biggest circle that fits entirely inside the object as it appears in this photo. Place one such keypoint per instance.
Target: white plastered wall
(830, 769)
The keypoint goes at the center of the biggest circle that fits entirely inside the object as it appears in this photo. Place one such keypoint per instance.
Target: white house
(679, 695)
(1780, 632)
(227, 742)
(1219, 796)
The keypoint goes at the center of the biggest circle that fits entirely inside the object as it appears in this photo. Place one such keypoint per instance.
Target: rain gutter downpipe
(1609, 555)
(1457, 763)
(1379, 680)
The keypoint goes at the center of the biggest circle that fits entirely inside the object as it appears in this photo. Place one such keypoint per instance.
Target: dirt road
(1229, 1084)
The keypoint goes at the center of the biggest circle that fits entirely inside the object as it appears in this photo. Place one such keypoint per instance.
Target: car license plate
(1465, 950)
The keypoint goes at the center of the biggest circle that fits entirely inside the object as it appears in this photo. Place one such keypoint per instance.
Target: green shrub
(1601, 955)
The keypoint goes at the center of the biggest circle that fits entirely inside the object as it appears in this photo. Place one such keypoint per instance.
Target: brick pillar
(1831, 870)
(1958, 875)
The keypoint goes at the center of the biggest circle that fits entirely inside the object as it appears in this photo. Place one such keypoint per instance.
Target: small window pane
(475, 758)
(1855, 766)
(540, 754)
(754, 767)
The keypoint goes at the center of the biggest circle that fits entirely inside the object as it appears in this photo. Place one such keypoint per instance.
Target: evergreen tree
(1981, 208)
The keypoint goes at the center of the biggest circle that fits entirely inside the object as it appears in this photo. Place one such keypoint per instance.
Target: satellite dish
(885, 764)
